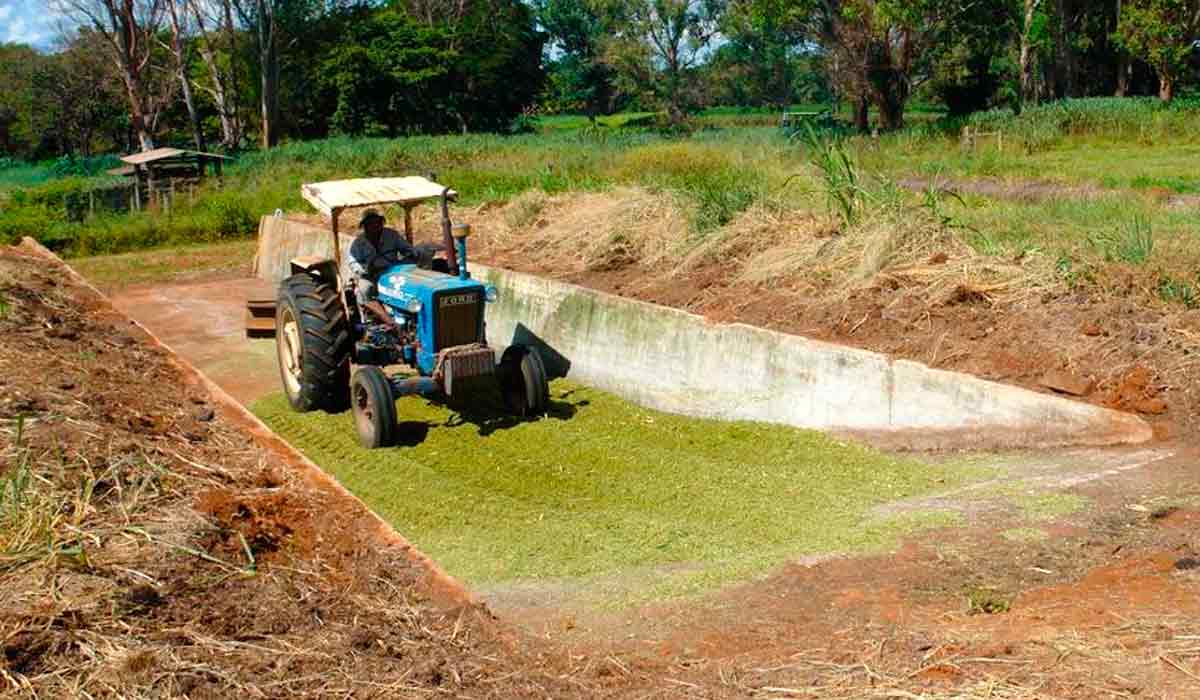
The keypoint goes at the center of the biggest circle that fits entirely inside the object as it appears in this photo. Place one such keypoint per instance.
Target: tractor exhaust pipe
(447, 238)
(460, 233)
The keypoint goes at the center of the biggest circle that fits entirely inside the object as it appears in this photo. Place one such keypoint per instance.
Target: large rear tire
(374, 407)
(523, 381)
(312, 340)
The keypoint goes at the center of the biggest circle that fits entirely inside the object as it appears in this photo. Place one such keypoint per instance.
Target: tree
(657, 45)
(78, 102)
(261, 15)
(765, 40)
(128, 28)
(221, 74)
(17, 65)
(179, 51)
(880, 48)
(581, 78)
(385, 70)
(389, 71)
(498, 72)
(972, 67)
(1164, 34)
(1029, 32)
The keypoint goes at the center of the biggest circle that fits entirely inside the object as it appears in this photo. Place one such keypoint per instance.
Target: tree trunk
(1166, 87)
(891, 110)
(129, 43)
(269, 63)
(1124, 75)
(225, 111)
(1064, 63)
(1028, 92)
(236, 96)
(862, 115)
(139, 120)
(1124, 64)
(184, 83)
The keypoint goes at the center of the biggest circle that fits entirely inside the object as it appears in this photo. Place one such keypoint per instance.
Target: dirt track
(1100, 605)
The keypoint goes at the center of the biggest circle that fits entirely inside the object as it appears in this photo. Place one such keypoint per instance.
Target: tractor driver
(375, 250)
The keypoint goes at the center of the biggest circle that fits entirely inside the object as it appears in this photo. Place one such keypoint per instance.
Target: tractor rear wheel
(312, 340)
(374, 407)
(523, 381)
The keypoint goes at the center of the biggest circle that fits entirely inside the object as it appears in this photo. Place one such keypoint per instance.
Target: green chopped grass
(602, 487)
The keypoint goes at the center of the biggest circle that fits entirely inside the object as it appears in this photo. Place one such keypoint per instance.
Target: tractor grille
(457, 318)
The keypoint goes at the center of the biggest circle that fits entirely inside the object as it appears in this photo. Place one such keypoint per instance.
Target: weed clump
(985, 601)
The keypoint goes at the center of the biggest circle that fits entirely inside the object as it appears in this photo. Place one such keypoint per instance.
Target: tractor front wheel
(312, 340)
(523, 381)
(374, 407)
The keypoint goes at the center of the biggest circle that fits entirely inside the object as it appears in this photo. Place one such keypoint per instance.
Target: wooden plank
(259, 327)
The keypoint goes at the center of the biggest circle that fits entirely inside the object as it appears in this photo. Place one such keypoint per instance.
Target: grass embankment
(744, 189)
(603, 489)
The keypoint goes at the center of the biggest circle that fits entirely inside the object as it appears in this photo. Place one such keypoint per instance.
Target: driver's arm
(359, 261)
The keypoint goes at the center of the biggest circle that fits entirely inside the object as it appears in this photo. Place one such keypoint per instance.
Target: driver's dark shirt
(391, 250)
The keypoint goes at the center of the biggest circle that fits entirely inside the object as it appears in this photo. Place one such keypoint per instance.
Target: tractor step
(260, 318)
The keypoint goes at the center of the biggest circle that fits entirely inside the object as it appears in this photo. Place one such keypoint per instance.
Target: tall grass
(839, 174)
(1042, 126)
(719, 173)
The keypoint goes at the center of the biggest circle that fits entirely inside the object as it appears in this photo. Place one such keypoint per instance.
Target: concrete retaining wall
(280, 240)
(675, 361)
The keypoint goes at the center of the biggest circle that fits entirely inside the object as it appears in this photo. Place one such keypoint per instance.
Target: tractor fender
(318, 265)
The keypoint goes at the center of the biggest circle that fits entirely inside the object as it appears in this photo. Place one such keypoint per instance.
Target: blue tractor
(333, 356)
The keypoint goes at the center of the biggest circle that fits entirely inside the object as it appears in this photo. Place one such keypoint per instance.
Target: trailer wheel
(374, 407)
(523, 381)
(312, 341)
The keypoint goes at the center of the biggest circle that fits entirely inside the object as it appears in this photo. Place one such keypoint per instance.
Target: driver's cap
(369, 215)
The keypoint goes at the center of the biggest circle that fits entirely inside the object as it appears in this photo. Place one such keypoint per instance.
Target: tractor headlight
(413, 307)
(490, 293)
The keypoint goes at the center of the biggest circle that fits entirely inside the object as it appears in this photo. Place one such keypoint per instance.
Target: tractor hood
(448, 310)
(403, 284)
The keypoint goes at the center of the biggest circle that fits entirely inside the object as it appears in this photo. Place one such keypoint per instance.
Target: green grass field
(602, 488)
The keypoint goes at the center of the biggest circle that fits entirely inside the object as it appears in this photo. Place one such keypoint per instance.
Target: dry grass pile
(898, 246)
(586, 232)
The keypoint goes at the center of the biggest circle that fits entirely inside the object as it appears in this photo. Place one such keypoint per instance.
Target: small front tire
(523, 381)
(374, 407)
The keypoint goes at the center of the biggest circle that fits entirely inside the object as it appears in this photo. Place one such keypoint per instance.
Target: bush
(707, 174)
(227, 214)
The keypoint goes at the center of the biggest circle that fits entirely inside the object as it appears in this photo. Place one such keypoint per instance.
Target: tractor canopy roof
(336, 195)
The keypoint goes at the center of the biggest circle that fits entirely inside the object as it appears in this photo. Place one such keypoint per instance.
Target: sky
(28, 22)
